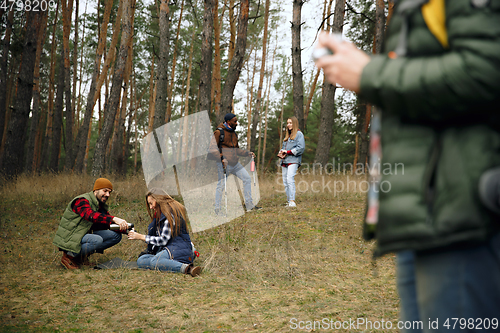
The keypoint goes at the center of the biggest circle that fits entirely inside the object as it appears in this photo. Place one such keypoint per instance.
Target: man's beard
(102, 199)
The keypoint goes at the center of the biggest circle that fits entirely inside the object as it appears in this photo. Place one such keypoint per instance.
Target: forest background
(82, 82)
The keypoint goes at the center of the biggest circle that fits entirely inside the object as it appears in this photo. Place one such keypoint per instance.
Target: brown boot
(69, 262)
(193, 270)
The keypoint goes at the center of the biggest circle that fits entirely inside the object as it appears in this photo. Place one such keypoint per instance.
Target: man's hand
(121, 222)
(346, 64)
(224, 163)
(252, 154)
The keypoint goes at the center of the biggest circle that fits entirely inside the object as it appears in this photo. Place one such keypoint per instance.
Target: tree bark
(258, 103)
(162, 70)
(236, 62)
(68, 142)
(114, 96)
(298, 86)
(82, 136)
(47, 142)
(57, 125)
(3, 71)
(16, 132)
(328, 112)
(174, 64)
(205, 86)
(34, 126)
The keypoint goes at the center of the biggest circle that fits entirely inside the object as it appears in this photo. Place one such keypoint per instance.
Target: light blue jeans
(239, 171)
(98, 241)
(462, 284)
(160, 261)
(288, 174)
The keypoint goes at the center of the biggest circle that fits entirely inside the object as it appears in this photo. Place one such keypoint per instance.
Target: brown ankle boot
(69, 262)
(193, 270)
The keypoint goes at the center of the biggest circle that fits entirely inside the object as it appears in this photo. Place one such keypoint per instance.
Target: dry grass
(261, 270)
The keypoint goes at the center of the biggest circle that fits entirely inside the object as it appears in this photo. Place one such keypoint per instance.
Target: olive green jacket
(440, 118)
(73, 227)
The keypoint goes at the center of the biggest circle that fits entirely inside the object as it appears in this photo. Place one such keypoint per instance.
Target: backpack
(210, 155)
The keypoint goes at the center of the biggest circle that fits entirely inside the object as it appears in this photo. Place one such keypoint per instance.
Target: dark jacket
(440, 121)
(229, 146)
(179, 247)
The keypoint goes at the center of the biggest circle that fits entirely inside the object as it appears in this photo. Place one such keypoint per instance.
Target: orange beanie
(102, 183)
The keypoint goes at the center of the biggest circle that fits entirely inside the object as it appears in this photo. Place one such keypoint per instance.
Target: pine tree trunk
(47, 142)
(205, 86)
(298, 86)
(114, 96)
(217, 77)
(162, 70)
(250, 101)
(174, 64)
(34, 126)
(3, 72)
(309, 99)
(267, 109)
(258, 107)
(82, 136)
(328, 112)
(16, 132)
(69, 158)
(57, 125)
(236, 62)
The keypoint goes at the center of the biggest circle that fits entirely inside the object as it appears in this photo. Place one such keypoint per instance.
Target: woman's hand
(282, 154)
(135, 235)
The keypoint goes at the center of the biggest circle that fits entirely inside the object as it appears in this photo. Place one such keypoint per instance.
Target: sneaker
(489, 189)
(292, 204)
(69, 262)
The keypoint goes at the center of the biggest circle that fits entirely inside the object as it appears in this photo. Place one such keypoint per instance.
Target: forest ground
(273, 270)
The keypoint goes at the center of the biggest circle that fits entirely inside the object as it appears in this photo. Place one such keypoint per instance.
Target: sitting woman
(169, 246)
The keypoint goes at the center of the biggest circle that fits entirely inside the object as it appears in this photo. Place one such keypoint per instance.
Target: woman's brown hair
(295, 127)
(173, 210)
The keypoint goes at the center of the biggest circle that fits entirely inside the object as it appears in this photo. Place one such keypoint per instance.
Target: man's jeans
(161, 261)
(289, 180)
(239, 171)
(98, 242)
(458, 290)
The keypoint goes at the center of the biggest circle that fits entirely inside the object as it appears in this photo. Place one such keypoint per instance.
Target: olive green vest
(73, 227)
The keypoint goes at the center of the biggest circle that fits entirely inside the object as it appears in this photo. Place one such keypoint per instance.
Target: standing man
(438, 86)
(228, 152)
(84, 226)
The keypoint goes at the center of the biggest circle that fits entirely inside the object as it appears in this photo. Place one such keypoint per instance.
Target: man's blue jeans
(289, 180)
(239, 171)
(458, 290)
(98, 242)
(160, 261)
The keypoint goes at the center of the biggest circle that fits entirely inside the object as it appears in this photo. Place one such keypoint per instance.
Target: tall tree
(57, 124)
(298, 86)
(256, 113)
(236, 62)
(16, 131)
(205, 86)
(174, 64)
(68, 142)
(34, 126)
(83, 131)
(162, 70)
(328, 112)
(3, 71)
(113, 101)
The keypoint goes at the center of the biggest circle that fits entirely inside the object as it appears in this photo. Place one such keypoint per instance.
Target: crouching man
(84, 226)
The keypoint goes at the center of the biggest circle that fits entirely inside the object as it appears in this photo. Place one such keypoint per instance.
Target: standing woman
(291, 157)
(169, 245)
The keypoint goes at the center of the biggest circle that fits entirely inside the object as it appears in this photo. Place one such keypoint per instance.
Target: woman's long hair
(295, 127)
(169, 207)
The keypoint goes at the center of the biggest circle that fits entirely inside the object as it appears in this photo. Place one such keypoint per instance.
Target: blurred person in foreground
(438, 86)
(226, 151)
(84, 226)
(290, 157)
(169, 245)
